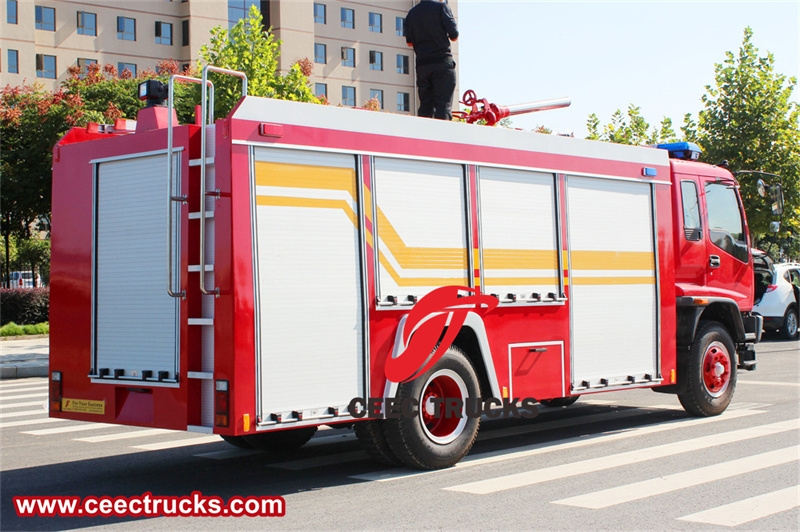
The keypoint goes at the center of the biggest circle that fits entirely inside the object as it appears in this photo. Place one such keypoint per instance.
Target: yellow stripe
(612, 260)
(419, 257)
(519, 259)
(612, 280)
(282, 201)
(306, 176)
(368, 203)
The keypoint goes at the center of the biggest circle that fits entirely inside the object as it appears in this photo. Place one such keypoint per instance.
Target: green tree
(749, 120)
(247, 48)
(34, 255)
(630, 128)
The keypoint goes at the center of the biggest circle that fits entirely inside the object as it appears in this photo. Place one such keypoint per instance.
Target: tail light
(55, 391)
(221, 404)
(770, 288)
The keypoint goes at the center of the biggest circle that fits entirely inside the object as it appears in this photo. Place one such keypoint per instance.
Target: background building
(357, 48)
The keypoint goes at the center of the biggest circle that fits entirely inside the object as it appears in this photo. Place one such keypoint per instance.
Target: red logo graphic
(424, 327)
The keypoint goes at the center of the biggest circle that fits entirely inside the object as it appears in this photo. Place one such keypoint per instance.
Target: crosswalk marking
(178, 443)
(10, 394)
(547, 474)
(768, 383)
(126, 435)
(29, 422)
(37, 412)
(71, 428)
(548, 447)
(26, 396)
(5, 405)
(684, 479)
(32, 382)
(737, 513)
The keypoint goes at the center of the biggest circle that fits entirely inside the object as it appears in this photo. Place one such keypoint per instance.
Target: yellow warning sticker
(83, 406)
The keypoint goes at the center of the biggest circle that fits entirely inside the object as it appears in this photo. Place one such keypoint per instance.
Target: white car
(777, 296)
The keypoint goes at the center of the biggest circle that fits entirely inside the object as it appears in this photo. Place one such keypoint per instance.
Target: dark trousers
(435, 84)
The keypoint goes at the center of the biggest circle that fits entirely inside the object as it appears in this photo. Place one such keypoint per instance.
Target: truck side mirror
(774, 227)
(762, 188)
(777, 199)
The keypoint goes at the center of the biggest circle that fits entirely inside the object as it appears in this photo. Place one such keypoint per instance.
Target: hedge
(25, 306)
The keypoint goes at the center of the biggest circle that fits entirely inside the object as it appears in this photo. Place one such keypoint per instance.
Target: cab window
(691, 211)
(725, 225)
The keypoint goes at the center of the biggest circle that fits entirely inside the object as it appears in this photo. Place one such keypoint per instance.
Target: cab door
(729, 273)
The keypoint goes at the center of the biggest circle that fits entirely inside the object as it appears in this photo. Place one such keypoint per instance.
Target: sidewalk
(24, 358)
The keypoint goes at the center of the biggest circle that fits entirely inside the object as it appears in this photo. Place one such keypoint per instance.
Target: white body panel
(308, 291)
(136, 321)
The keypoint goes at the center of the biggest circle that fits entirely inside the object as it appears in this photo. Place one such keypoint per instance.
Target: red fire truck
(264, 274)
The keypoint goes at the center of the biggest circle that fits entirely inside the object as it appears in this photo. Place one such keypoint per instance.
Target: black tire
(560, 401)
(711, 371)
(790, 327)
(284, 440)
(372, 438)
(237, 441)
(425, 441)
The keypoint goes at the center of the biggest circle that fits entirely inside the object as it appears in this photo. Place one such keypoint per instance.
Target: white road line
(178, 443)
(5, 405)
(26, 396)
(768, 383)
(72, 428)
(126, 435)
(737, 513)
(529, 478)
(682, 480)
(36, 382)
(320, 461)
(560, 445)
(9, 394)
(29, 422)
(37, 412)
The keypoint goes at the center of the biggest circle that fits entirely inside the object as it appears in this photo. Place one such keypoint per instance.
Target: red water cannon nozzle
(491, 114)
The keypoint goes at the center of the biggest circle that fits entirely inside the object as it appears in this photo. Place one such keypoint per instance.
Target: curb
(21, 372)
(23, 337)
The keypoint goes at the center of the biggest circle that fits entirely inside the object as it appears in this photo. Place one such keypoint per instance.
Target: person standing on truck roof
(429, 28)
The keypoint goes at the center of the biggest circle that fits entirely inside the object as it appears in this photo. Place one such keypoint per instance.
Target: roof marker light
(688, 151)
(649, 172)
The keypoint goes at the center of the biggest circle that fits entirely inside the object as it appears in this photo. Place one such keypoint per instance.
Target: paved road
(624, 460)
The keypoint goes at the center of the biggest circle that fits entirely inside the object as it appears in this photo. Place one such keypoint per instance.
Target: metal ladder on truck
(200, 346)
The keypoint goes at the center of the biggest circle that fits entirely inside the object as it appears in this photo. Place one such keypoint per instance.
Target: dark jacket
(429, 27)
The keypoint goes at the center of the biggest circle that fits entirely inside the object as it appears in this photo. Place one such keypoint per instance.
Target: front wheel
(711, 371)
(437, 437)
(789, 329)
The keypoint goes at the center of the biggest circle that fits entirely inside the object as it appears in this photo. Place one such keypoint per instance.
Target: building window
(376, 22)
(348, 57)
(320, 16)
(321, 90)
(11, 11)
(45, 66)
(320, 53)
(238, 9)
(185, 32)
(349, 96)
(126, 29)
(376, 94)
(163, 33)
(13, 62)
(375, 60)
(402, 64)
(403, 102)
(130, 67)
(87, 23)
(348, 18)
(400, 26)
(83, 64)
(45, 18)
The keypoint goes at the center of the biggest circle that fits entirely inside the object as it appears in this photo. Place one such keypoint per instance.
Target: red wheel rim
(445, 385)
(716, 369)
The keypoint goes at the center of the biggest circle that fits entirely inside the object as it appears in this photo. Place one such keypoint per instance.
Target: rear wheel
(431, 439)
(372, 438)
(559, 401)
(285, 440)
(789, 329)
(711, 371)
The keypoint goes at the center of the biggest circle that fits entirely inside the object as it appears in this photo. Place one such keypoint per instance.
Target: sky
(606, 55)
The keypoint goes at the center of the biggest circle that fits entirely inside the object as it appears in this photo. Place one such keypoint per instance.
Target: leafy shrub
(11, 329)
(24, 306)
(39, 328)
